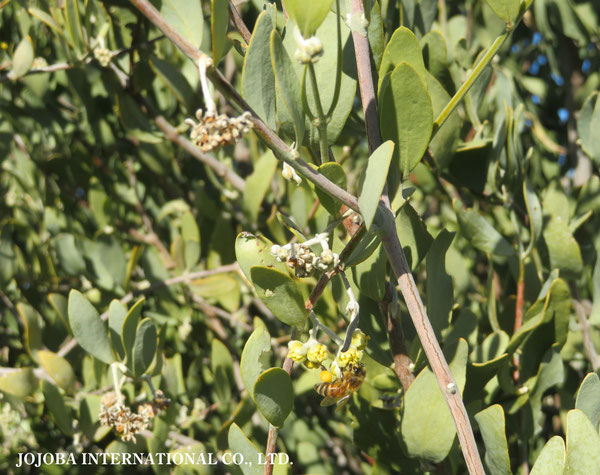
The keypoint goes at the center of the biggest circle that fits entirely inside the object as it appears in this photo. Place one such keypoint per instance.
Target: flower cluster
(103, 55)
(304, 261)
(126, 423)
(309, 50)
(213, 131)
(353, 355)
(312, 353)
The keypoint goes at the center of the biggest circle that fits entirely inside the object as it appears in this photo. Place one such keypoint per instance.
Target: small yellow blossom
(317, 353)
(296, 351)
(351, 356)
(311, 365)
(359, 340)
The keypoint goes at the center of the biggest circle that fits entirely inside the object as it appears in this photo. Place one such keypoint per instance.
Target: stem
(237, 20)
(408, 287)
(321, 118)
(477, 70)
(340, 59)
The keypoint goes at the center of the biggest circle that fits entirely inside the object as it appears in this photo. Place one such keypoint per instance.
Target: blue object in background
(542, 60)
(585, 67)
(536, 99)
(562, 159)
(537, 37)
(557, 78)
(528, 123)
(515, 48)
(534, 68)
(563, 115)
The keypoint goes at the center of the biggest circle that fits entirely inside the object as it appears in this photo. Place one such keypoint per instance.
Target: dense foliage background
(105, 201)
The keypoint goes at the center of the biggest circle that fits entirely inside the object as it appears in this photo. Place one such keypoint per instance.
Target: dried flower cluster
(304, 261)
(213, 131)
(125, 422)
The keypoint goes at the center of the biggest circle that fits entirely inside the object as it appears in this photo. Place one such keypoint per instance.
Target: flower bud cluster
(103, 55)
(312, 353)
(304, 261)
(213, 131)
(309, 50)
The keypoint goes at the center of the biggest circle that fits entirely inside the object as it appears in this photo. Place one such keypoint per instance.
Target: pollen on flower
(348, 357)
(317, 353)
(326, 376)
(213, 131)
(297, 351)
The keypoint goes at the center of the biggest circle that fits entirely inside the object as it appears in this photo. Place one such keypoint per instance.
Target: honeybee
(340, 390)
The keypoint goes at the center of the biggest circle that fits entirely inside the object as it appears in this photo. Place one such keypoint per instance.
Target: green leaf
(370, 274)
(372, 181)
(45, 18)
(173, 79)
(274, 395)
(440, 291)
(74, 27)
(406, 116)
(116, 316)
(563, 249)
(57, 407)
(588, 124)
(403, 46)
(23, 58)
(144, 346)
(253, 250)
(492, 426)
(61, 305)
(258, 183)
(68, 254)
(507, 10)
(280, 294)
(551, 460)
(413, 235)
(185, 16)
(239, 443)
(255, 357)
(221, 363)
(308, 14)
(335, 173)
(20, 383)
(326, 70)
(190, 234)
(88, 328)
(33, 333)
(583, 444)
(427, 426)
(8, 263)
(443, 146)
(288, 85)
(59, 369)
(534, 210)
(129, 329)
(219, 22)
(588, 398)
(434, 51)
(481, 234)
(258, 80)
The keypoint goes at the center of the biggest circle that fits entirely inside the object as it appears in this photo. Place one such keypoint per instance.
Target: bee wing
(329, 401)
(342, 402)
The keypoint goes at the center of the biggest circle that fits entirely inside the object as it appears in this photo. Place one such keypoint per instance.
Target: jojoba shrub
(310, 236)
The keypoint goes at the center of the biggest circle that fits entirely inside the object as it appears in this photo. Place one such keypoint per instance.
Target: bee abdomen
(322, 388)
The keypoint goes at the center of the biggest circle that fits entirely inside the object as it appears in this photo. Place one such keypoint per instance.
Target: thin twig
(588, 344)
(395, 254)
(236, 19)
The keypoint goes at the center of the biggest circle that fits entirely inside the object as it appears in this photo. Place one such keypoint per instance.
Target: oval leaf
(255, 357)
(551, 460)
(334, 173)
(403, 46)
(23, 58)
(57, 407)
(280, 294)
(588, 398)
(372, 181)
(59, 369)
(129, 329)
(432, 437)
(492, 426)
(583, 445)
(251, 250)
(144, 346)
(406, 116)
(88, 328)
(308, 14)
(239, 443)
(482, 234)
(20, 383)
(274, 395)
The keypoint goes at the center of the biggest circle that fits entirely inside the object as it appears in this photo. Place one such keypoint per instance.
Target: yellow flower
(296, 351)
(317, 353)
(359, 340)
(311, 365)
(350, 356)
(326, 376)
